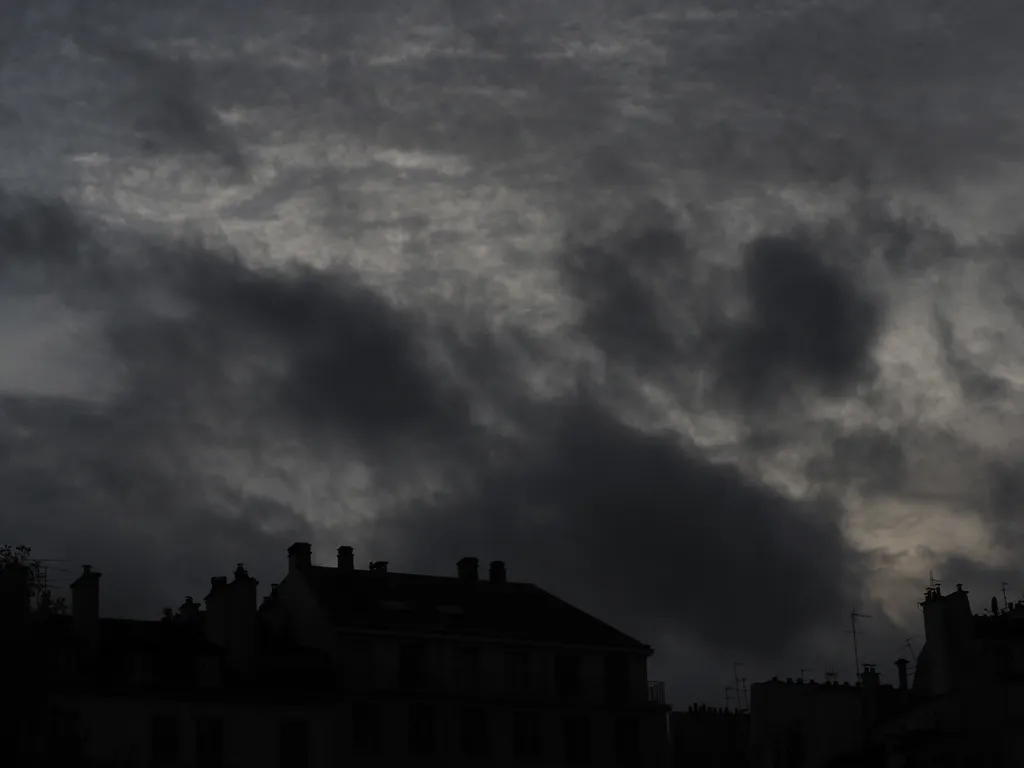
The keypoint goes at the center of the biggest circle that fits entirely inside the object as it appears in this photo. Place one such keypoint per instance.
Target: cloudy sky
(703, 315)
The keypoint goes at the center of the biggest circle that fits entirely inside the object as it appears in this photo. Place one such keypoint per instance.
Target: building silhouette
(964, 708)
(710, 737)
(338, 666)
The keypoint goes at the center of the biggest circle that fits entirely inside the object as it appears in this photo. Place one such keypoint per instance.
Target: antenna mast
(730, 690)
(736, 677)
(911, 648)
(802, 673)
(1006, 603)
(853, 631)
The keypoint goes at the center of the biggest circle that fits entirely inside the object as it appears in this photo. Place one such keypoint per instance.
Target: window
(293, 744)
(567, 676)
(366, 726)
(422, 730)
(165, 741)
(475, 736)
(412, 666)
(627, 741)
(517, 672)
(209, 742)
(526, 738)
(576, 735)
(469, 669)
(616, 679)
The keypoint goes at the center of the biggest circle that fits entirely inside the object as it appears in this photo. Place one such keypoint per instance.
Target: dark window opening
(627, 741)
(165, 738)
(293, 744)
(526, 735)
(412, 666)
(422, 730)
(576, 730)
(616, 679)
(567, 676)
(366, 726)
(518, 678)
(209, 742)
(469, 669)
(475, 735)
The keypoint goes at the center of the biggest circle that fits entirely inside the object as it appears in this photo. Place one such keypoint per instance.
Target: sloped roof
(513, 611)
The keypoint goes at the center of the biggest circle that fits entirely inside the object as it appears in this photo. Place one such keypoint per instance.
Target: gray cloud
(231, 390)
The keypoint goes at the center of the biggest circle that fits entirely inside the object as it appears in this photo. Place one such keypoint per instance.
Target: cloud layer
(699, 316)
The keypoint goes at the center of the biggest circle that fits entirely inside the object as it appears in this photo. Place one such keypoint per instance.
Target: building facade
(344, 666)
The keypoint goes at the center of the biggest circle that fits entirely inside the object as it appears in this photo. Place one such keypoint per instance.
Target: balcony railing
(655, 692)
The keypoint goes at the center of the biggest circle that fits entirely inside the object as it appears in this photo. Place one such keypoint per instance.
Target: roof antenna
(1006, 603)
(853, 631)
(736, 675)
(802, 673)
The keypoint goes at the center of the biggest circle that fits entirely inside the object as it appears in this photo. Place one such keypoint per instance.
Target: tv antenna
(802, 673)
(735, 693)
(831, 676)
(910, 647)
(736, 676)
(1006, 603)
(853, 631)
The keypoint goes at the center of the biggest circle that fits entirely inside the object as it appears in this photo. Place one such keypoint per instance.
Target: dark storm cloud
(353, 362)
(808, 321)
(617, 282)
(648, 530)
(82, 482)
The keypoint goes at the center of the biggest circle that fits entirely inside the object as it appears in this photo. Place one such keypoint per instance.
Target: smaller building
(710, 737)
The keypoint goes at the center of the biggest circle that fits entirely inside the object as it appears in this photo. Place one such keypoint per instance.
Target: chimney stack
(346, 559)
(901, 665)
(231, 616)
(468, 568)
(300, 557)
(85, 605)
(497, 572)
(189, 611)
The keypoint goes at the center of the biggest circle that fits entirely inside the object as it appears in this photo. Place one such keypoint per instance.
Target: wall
(827, 717)
(119, 729)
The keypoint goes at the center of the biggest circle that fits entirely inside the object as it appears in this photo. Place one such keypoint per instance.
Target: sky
(705, 316)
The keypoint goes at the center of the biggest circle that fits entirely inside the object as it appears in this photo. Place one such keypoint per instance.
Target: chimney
(870, 676)
(901, 667)
(85, 605)
(189, 611)
(497, 572)
(231, 616)
(346, 559)
(300, 557)
(468, 568)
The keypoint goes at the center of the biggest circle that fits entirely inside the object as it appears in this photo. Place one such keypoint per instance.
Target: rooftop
(456, 605)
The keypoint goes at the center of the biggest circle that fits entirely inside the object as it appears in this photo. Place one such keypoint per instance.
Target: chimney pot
(346, 559)
(497, 572)
(300, 557)
(468, 568)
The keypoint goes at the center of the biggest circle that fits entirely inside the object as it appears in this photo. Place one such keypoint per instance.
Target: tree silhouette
(41, 597)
